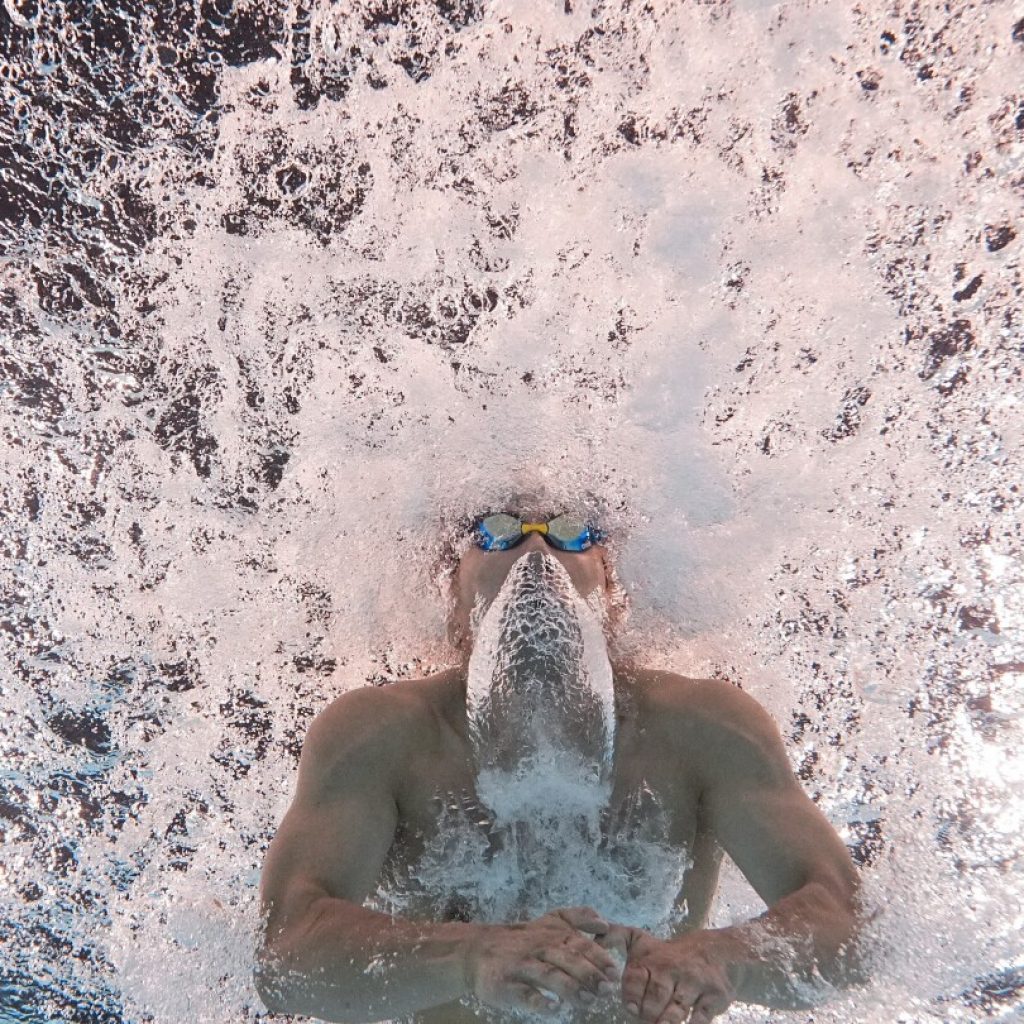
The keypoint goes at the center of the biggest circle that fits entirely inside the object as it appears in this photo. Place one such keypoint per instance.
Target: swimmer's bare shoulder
(711, 729)
(709, 708)
(326, 858)
(391, 721)
(355, 762)
(343, 815)
(754, 804)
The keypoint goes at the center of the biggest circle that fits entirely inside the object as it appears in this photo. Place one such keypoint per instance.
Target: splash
(287, 289)
(540, 698)
(555, 853)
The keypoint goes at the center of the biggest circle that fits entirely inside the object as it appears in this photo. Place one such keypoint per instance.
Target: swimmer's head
(480, 575)
(463, 572)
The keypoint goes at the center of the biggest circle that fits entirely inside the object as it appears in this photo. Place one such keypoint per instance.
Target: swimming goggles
(566, 532)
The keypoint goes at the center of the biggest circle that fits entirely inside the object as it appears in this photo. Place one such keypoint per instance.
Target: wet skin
(375, 763)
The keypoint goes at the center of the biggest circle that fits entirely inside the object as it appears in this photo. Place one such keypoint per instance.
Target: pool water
(288, 289)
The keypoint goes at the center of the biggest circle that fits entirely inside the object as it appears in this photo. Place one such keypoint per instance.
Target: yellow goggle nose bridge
(535, 528)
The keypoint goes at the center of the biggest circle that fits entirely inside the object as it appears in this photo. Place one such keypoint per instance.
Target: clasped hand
(675, 980)
(566, 957)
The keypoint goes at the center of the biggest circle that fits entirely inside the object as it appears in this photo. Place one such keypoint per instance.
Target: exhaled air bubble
(540, 690)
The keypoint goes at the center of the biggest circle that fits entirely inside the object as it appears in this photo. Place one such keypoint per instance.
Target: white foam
(721, 299)
(539, 683)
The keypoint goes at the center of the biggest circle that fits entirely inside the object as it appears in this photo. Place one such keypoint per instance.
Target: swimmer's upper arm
(758, 810)
(337, 832)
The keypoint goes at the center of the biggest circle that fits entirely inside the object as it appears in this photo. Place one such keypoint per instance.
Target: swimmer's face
(481, 573)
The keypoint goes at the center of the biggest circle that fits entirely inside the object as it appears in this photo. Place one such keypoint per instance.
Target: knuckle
(716, 1002)
(658, 988)
(687, 996)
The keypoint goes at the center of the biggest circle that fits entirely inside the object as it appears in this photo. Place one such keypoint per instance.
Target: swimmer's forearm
(342, 962)
(780, 959)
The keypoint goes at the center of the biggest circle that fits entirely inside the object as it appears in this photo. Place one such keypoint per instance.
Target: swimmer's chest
(441, 781)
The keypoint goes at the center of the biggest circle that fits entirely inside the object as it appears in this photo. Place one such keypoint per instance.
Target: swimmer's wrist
(762, 966)
(738, 958)
(731, 949)
(472, 941)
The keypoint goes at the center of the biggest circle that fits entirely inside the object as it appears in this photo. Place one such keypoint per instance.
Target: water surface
(286, 288)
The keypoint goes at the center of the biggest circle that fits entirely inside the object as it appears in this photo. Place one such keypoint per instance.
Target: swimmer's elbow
(268, 978)
(278, 984)
(857, 955)
(291, 981)
(850, 966)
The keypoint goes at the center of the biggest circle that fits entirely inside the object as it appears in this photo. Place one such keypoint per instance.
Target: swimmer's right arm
(325, 955)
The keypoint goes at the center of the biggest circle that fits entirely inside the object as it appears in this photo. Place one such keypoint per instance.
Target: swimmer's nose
(534, 549)
(533, 542)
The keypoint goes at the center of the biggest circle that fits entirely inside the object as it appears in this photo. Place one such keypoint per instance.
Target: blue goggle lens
(566, 532)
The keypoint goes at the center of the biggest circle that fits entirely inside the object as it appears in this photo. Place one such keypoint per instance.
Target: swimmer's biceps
(337, 832)
(761, 815)
(781, 842)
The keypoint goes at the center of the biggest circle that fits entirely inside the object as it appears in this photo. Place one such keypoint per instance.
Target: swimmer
(375, 760)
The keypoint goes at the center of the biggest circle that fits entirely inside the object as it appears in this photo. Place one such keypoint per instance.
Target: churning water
(288, 286)
(539, 680)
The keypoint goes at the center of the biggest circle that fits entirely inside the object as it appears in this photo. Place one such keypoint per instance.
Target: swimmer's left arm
(789, 853)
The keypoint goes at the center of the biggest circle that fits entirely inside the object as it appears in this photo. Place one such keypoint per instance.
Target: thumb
(586, 919)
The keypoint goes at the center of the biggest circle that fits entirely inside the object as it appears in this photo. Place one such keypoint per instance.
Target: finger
(710, 1004)
(675, 1013)
(585, 918)
(577, 966)
(525, 997)
(595, 954)
(634, 982)
(542, 975)
(660, 989)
